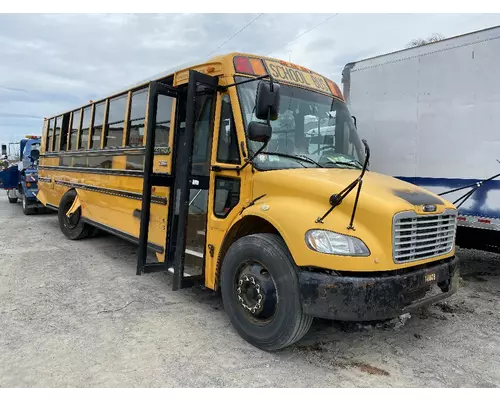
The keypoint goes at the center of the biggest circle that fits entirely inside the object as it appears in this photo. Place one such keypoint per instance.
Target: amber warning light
(250, 66)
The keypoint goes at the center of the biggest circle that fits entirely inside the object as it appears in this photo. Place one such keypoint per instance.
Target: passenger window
(64, 131)
(163, 114)
(84, 135)
(116, 119)
(50, 134)
(57, 133)
(202, 136)
(227, 149)
(75, 125)
(227, 196)
(98, 125)
(137, 118)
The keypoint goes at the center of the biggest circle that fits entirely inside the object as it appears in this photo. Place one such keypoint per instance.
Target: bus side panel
(114, 201)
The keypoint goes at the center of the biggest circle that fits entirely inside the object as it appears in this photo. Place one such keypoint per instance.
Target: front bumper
(362, 298)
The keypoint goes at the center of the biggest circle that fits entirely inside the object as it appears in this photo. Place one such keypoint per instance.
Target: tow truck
(20, 179)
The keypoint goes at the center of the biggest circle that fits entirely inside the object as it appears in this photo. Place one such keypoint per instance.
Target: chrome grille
(416, 236)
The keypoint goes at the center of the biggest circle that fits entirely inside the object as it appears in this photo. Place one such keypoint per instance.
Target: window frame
(49, 138)
(144, 89)
(66, 116)
(125, 115)
(226, 178)
(58, 144)
(89, 107)
(80, 117)
(217, 160)
(91, 136)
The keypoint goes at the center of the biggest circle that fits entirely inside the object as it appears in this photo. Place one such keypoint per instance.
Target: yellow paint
(294, 198)
(76, 205)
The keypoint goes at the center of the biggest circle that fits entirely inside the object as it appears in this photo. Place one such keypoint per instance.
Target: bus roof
(193, 63)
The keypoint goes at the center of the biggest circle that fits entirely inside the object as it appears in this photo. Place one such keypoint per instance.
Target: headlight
(334, 243)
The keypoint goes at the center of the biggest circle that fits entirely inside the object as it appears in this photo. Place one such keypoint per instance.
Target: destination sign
(296, 76)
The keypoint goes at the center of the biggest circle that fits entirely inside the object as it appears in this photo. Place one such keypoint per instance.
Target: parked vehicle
(430, 114)
(20, 179)
(211, 167)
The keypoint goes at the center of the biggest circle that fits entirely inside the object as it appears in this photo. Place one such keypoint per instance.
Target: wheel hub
(256, 292)
(249, 294)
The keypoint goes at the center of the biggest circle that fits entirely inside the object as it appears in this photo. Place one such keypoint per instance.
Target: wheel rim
(256, 292)
(72, 221)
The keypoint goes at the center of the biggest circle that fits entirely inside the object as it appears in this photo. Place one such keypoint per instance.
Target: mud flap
(76, 204)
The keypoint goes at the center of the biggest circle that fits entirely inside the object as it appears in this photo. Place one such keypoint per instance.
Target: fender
(75, 206)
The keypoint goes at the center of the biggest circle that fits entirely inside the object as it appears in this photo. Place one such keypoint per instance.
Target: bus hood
(296, 198)
(379, 193)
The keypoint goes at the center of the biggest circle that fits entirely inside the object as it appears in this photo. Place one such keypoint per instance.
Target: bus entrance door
(189, 181)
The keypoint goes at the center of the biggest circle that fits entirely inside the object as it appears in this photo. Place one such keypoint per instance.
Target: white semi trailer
(431, 115)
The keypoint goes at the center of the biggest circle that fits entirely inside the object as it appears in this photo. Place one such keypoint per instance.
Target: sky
(53, 63)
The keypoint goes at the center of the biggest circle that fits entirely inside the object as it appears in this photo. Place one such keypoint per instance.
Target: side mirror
(259, 132)
(35, 154)
(267, 103)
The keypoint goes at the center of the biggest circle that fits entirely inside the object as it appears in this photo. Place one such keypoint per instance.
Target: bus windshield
(312, 131)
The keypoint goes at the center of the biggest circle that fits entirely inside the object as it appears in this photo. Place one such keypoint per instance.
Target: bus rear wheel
(12, 200)
(73, 227)
(260, 291)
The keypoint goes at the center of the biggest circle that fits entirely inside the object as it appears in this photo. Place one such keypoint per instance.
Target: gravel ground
(74, 314)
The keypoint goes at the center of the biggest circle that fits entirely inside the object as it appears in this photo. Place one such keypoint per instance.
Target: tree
(435, 37)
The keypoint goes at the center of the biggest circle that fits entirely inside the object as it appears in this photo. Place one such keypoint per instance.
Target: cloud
(53, 62)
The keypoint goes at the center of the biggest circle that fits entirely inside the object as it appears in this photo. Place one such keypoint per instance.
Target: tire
(93, 231)
(288, 323)
(26, 210)
(73, 228)
(12, 200)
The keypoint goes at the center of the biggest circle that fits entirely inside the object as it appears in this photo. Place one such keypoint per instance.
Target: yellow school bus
(246, 174)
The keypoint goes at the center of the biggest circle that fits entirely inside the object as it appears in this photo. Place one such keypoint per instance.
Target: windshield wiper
(292, 156)
(356, 164)
(343, 163)
(336, 199)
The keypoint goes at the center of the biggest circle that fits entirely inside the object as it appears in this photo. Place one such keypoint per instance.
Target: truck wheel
(73, 227)
(26, 210)
(260, 292)
(12, 200)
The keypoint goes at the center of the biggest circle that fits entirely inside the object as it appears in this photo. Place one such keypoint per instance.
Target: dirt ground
(74, 314)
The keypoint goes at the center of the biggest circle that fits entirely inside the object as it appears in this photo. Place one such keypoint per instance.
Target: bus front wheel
(260, 292)
(73, 227)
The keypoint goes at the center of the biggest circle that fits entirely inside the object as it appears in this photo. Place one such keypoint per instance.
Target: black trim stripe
(115, 152)
(112, 192)
(44, 179)
(121, 234)
(52, 206)
(122, 151)
(100, 171)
